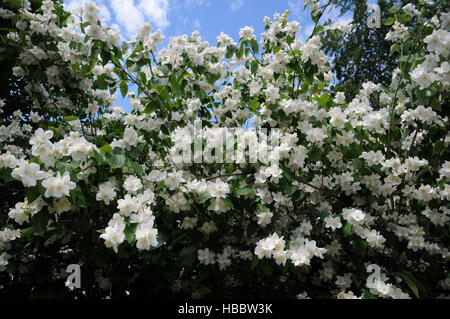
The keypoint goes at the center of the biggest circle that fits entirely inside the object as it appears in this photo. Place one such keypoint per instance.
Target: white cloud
(74, 5)
(156, 11)
(197, 25)
(295, 7)
(308, 30)
(131, 14)
(192, 3)
(127, 14)
(104, 13)
(236, 4)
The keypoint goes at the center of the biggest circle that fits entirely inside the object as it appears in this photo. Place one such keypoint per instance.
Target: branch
(443, 142)
(131, 78)
(227, 175)
(320, 16)
(320, 189)
(392, 106)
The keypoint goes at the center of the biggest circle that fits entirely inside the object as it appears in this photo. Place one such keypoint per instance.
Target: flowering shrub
(348, 188)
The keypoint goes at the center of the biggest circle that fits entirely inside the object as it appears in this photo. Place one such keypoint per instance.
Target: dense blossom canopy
(348, 189)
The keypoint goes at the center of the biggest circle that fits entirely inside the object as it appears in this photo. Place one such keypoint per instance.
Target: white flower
(206, 257)
(333, 222)
(41, 137)
(20, 212)
(425, 193)
(189, 222)
(340, 98)
(132, 184)
(146, 236)
(28, 173)
(3, 261)
(106, 192)
(300, 256)
(80, 148)
(411, 10)
(218, 205)
(128, 205)
(218, 189)
(208, 227)
(246, 33)
(264, 218)
(8, 160)
(114, 236)
(58, 186)
(353, 215)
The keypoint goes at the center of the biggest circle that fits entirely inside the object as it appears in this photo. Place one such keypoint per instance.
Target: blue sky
(209, 17)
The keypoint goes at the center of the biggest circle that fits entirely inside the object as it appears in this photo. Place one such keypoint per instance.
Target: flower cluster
(346, 185)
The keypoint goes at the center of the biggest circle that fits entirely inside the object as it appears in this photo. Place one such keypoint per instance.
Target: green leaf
(254, 66)
(40, 220)
(35, 160)
(277, 48)
(27, 233)
(162, 239)
(347, 229)
(240, 52)
(204, 197)
(105, 55)
(129, 231)
(5, 175)
(116, 160)
(143, 77)
(33, 194)
(135, 166)
(368, 295)
(164, 69)
(64, 167)
(395, 47)
(324, 98)
(404, 18)
(14, 3)
(77, 197)
(174, 84)
(358, 163)
(99, 158)
(69, 118)
(158, 82)
(314, 155)
(411, 281)
(389, 21)
(123, 88)
(151, 107)
(107, 149)
(318, 29)
(255, 262)
(254, 45)
(10, 268)
(361, 245)
(254, 105)
(228, 202)
(81, 224)
(187, 256)
(291, 189)
(287, 174)
(243, 191)
(230, 51)
(267, 267)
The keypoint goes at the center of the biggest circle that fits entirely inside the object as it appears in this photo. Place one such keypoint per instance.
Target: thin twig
(320, 16)
(132, 78)
(227, 175)
(392, 106)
